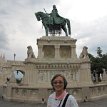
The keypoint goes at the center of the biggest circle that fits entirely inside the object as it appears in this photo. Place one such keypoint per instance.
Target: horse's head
(38, 16)
(41, 16)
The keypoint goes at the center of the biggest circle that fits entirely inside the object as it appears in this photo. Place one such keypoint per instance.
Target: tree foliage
(99, 52)
(100, 62)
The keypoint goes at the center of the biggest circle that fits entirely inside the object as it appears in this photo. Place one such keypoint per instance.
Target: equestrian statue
(53, 22)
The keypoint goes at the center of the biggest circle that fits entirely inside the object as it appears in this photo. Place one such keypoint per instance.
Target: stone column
(8, 92)
(73, 52)
(85, 73)
(57, 54)
(40, 52)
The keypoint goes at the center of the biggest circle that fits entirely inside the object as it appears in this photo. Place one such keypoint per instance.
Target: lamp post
(14, 56)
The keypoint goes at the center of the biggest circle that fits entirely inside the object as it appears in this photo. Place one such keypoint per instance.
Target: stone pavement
(96, 103)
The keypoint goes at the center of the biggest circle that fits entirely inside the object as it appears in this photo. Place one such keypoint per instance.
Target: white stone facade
(55, 55)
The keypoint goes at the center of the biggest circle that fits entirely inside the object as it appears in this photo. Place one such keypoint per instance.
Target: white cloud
(88, 10)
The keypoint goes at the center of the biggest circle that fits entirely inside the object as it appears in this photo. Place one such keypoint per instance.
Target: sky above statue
(19, 27)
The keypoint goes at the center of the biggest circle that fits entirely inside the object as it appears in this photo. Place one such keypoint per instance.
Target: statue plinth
(56, 47)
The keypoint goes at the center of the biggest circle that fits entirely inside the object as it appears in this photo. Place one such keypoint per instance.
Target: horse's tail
(69, 26)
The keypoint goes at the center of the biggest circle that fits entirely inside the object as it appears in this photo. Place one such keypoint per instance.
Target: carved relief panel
(46, 75)
(65, 51)
(49, 51)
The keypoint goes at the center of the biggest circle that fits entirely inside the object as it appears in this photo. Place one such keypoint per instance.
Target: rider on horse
(53, 22)
(55, 18)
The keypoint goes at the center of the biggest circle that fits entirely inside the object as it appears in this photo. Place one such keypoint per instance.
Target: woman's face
(58, 84)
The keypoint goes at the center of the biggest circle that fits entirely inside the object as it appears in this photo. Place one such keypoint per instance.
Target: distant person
(60, 98)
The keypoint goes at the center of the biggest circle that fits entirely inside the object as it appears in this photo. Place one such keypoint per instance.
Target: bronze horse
(56, 26)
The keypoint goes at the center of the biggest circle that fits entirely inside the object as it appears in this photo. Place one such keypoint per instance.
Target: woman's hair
(59, 75)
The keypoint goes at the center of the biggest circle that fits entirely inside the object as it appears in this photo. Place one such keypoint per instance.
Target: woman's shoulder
(72, 101)
(52, 95)
(71, 97)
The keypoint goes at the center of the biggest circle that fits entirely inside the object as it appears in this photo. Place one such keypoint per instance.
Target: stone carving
(30, 53)
(65, 52)
(49, 51)
(24, 92)
(84, 53)
(16, 91)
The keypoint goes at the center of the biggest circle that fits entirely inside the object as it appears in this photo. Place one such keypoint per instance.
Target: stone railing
(32, 94)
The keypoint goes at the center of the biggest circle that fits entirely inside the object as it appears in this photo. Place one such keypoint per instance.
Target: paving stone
(95, 103)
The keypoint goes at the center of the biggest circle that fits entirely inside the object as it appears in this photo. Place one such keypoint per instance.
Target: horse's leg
(65, 30)
(69, 26)
(46, 30)
(53, 33)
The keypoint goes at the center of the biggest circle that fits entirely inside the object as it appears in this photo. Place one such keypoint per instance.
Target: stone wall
(31, 94)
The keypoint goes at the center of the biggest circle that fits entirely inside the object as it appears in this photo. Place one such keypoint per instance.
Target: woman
(57, 99)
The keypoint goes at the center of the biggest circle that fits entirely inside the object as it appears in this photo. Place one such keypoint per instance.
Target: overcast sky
(20, 28)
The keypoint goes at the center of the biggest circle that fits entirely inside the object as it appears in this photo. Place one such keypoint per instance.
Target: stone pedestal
(85, 73)
(57, 48)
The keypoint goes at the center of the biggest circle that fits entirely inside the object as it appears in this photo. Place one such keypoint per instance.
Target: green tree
(104, 61)
(99, 52)
(98, 63)
(92, 59)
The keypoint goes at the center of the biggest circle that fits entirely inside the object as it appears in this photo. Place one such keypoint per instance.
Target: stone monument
(56, 54)
(53, 22)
